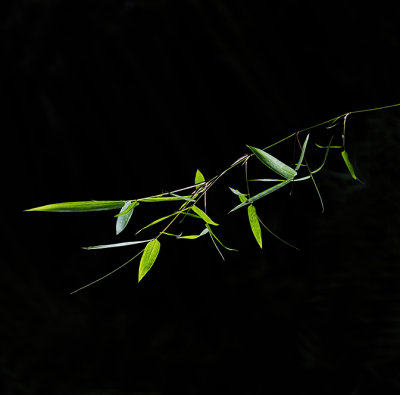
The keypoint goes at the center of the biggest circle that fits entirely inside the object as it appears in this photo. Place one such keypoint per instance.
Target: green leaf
(156, 221)
(149, 256)
(199, 178)
(328, 146)
(236, 192)
(349, 164)
(85, 206)
(127, 243)
(261, 195)
(192, 237)
(129, 206)
(203, 215)
(274, 164)
(187, 198)
(124, 216)
(303, 150)
(171, 234)
(255, 224)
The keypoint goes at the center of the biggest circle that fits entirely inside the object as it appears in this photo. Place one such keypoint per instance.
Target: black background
(124, 99)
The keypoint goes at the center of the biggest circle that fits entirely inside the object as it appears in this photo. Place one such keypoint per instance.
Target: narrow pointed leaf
(203, 215)
(349, 165)
(85, 206)
(127, 243)
(242, 198)
(149, 256)
(199, 178)
(236, 192)
(303, 150)
(328, 146)
(129, 206)
(255, 224)
(156, 221)
(124, 216)
(187, 198)
(322, 165)
(192, 237)
(261, 195)
(171, 234)
(274, 164)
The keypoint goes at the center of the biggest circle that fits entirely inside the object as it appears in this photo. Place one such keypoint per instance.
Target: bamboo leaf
(192, 237)
(203, 215)
(303, 150)
(129, 206)
(187, 198)
(349, 165)
(274, 164)
(149, 256)
(124, 216)
(127, 243)
(261, 195)
(199, 178)
(255, 224)
(156, 221)
(236, 192)
(84, 206)
(328, 146)
(171, 234)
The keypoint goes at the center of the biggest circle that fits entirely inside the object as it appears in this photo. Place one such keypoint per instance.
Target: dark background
(124, 99)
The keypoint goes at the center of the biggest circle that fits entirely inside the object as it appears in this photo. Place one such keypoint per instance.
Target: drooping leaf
(322, 165)
(261, 195)
(254, 224)
(242, 198)
(349, 165)
(328, 146)
(187, 198)
(171, 234)
(149, 256)
(124, 216)
(199, 178)
(84, 206)
(159, 220)
(236, 192)
(303, 150)
(203, 215)
(274, 164)
(115, 245)
(129, 206)
(156, 222)
(192, 237)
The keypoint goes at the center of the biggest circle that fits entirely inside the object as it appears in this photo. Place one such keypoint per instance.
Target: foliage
(195, 194)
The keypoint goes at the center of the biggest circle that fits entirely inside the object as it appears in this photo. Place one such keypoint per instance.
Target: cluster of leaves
(190, 202)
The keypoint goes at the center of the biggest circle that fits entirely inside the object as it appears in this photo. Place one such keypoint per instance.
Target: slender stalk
(106, 275)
